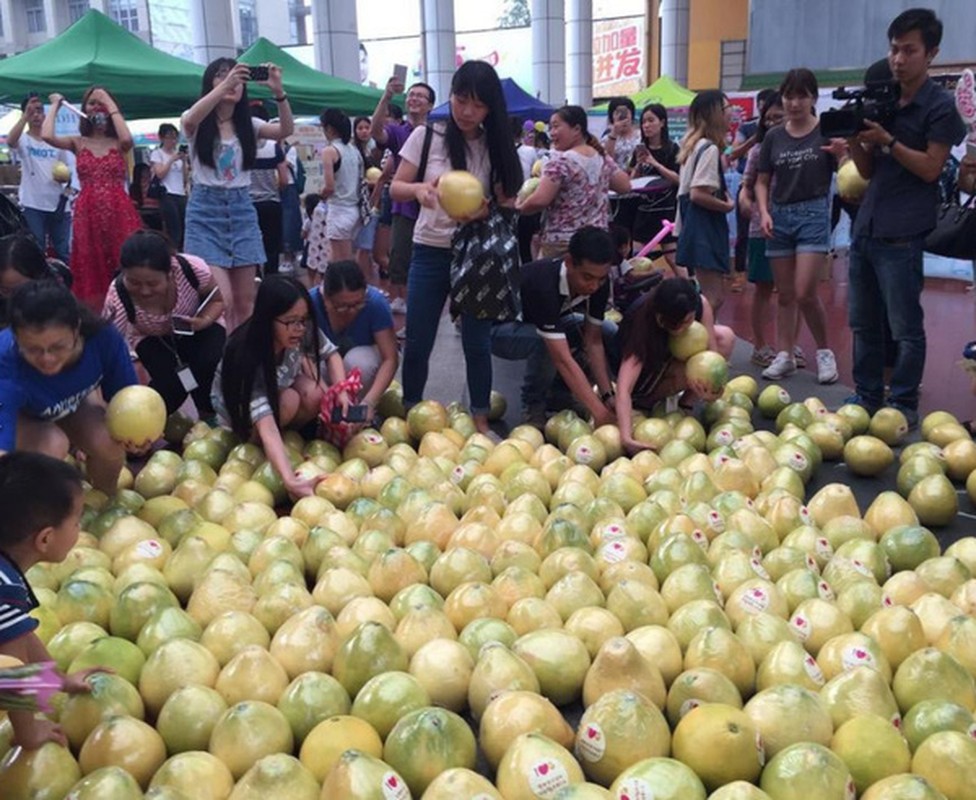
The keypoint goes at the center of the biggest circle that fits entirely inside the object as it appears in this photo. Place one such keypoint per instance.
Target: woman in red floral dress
(103, 213)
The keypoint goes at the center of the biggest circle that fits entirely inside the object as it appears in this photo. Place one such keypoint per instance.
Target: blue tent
(519, 102)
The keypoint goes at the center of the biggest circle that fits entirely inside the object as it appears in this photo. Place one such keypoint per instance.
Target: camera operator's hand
(875, 135)
(837, 148)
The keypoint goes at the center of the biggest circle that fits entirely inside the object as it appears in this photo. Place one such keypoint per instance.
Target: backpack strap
(126, 298)
(425, 154)
(188, 273)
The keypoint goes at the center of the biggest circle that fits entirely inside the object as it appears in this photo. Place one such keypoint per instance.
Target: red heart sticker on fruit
(591, 732)
(543, 769)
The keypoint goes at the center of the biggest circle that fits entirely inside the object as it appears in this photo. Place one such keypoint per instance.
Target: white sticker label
(850, 791)
(853, 656)
(813, 670)
(591, 744)
(700, 539)
(812, 564)
(801, 627)
(394, 787)
(688, 705)
(759, 569)
(457, 474)
(635, 789)
(755, 601)
(724, 437)
(716, 522)
(972, 731)
(823, 548)
(824, 590)
(798, 461)
(862, 568)
(805, 516)
(896, 721)
(613, 552)
(149, 548)
(583, 454)
(760, 749)
(547, 777)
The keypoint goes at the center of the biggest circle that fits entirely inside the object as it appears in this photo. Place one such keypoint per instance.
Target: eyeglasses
(347, 307)
(418, 96)
(295, 324)
(55, 350)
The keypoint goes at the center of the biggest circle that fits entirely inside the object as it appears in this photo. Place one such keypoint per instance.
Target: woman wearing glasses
(270, 378)
(357, 318)
(53, 358)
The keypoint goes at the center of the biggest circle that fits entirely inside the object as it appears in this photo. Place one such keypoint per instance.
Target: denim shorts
(802, 227)
(367, 234)
(222, 228)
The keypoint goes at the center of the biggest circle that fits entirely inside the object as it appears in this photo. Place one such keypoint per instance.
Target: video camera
(877, 101)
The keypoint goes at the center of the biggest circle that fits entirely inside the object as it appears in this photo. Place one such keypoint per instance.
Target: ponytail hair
(575, 117)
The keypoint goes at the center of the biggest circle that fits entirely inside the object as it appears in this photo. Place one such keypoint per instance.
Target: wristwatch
(886, 148)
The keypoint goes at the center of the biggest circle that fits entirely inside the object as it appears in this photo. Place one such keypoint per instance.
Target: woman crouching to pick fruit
(648, 370)
(53, 358)
(270, 377)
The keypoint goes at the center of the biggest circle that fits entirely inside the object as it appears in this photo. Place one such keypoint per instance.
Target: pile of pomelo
(541, 618)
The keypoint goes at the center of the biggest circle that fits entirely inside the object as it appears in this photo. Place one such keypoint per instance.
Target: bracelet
(281, 99)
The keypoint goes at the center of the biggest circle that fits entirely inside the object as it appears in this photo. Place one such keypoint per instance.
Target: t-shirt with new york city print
(801, 167)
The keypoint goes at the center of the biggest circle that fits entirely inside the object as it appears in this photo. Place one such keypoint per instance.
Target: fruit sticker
(547, 777)
(850, 790)
(758, 568)
(149, 548)
(688, 705)
(813, 670)
(715, 521)
(823, 549)
(592, 745)
(724, 437)
(457, 474)
(812, 564)
(801, 627)
(861, 567)
(804, 515)
(760, 749)
(394, 787)
(824, 590)
(700, 539)
(896, 721)
(718, 594)
(853, 656)
(583, 454)
(755, 601)
(972, 731)
(635, 789)
(613, 552)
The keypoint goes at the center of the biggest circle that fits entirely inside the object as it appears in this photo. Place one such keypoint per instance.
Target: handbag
(954, 235)
(485, 266)
(703, 242)
(156, 189)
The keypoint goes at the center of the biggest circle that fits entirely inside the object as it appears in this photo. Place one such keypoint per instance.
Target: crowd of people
(215, 303)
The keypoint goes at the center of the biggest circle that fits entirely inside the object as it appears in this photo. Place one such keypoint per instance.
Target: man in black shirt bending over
(555, 292)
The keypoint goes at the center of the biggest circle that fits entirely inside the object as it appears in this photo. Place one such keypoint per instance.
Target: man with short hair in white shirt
(41, 196)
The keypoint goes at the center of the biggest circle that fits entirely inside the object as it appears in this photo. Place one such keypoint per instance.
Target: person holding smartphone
(169, 310)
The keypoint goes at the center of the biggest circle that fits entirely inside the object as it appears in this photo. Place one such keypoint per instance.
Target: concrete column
(439, 45)
(549, 51)
(579, 52)
(335, 34)
(213, 30)
(674, 39)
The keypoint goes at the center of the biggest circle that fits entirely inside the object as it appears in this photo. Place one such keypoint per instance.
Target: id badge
(186, 378)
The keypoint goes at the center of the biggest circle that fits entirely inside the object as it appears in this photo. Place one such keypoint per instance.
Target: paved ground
(447, 383)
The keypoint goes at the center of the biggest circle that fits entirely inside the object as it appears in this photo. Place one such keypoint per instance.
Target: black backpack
(126, 298)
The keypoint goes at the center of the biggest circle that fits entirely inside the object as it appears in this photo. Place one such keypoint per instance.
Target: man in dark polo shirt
(903, 163)
(554, 293)
(392, 135)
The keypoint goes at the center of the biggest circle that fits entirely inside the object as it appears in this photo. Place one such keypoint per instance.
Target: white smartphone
(400, 72)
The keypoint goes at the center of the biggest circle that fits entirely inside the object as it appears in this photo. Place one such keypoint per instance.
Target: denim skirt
(222, 227)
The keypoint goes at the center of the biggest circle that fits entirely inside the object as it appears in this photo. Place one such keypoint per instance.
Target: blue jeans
(43, 224)
(517, 341)
(291, 219)
(428, 286)
(886, 280)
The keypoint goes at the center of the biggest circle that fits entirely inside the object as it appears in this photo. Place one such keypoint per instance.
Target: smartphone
(259, 73)
(400, 72)
(354, 414)
(181, 326)
(184, 148)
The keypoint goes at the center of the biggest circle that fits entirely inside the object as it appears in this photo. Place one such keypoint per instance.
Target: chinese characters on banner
(618, 56)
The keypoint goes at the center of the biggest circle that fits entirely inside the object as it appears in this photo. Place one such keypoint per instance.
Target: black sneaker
(857, 400)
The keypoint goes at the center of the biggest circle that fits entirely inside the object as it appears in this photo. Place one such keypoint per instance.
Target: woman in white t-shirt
(477, 138)
(169, 166)
(221, 223)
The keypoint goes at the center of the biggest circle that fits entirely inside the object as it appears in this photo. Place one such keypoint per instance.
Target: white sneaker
(826, 366)
(398, 305)
(783, 366)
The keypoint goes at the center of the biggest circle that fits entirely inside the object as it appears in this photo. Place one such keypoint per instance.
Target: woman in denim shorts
(795, 220)
(221, 223)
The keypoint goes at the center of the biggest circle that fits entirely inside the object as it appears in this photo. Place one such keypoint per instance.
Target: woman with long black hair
(477, 138)
(270, 378)
(221, 223)
(656, 156)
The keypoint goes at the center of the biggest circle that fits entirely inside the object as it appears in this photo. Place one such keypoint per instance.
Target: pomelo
(510, 713)
(867, 456)
(787, 714)
(560, 663)
(327, 741)
(310, 699)
(947, 760)
(720, 743)
(110, 695)
(804, 771)
(124, 742)
(660, 779)
(360, 775)
(872, 748)
(460, 782)
(708, 370)
(934, 499)
(47, 773)
(692, 340)
(859, 691)
(851, 185)
(460, 194)
(188, 717)
(174, 664)
(694, 687)
(930, 674)
(772, 400)
(425, 743)
(277, 774)
(136, 416)
(931, 716)
(903, 787)
(106, 783)
(194, 774)
(536, 766)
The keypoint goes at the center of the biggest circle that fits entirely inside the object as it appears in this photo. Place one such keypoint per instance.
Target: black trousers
(173, 208)
(269, 220)
(164, 356)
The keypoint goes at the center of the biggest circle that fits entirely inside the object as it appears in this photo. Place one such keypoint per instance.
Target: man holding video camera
(903, 160)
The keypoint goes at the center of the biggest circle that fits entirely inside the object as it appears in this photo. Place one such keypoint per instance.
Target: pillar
(336, 38)
(579, 52)
(674, 39)
(549, 51)
(439, 47)
(213, 30)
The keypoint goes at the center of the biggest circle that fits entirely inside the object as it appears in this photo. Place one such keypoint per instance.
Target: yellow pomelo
(931, 716)
(933, 675)
(720, 743)
(872, 748)
(787, 714)
(124, 742)
(535, 766)
(110, 695)
(560, 662)
(903, 787)
(195, 774)
(947, 760)
(188, 717)
(47, 773)
(621, 728)
(106, 783)
(248, 731)
(694, 687)
(277, 774)
(327, 741)
(856, 692)
(425, 743)
(136, 416)
(658, 778)
(172, 665)
(804, 771)
(460, 782)
(620, 665)
(497, 669)
(719, 649)
(230, 632)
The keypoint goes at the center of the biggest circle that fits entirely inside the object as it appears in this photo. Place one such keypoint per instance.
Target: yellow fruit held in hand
(460, 193)
(136, 416)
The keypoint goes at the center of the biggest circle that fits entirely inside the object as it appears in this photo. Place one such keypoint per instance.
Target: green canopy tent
(145, 81)
(309, 90)
(665, 90)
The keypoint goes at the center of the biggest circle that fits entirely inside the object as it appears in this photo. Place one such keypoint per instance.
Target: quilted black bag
(954, 234)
